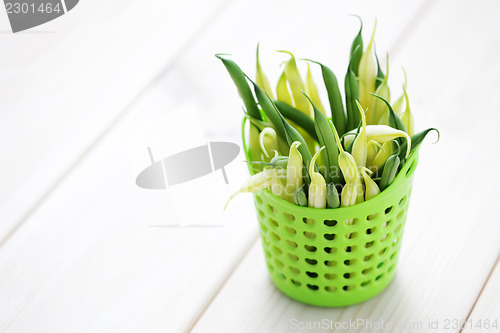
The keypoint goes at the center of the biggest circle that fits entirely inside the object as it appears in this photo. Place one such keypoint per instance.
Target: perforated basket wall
(335, 257)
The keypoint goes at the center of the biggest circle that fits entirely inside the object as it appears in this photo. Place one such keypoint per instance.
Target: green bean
(254, 146)
(390, 170)
(334, 97)
(380, 75)
(269, 109)
(394, 120)
(293, 135)
(299, 197)
(332, 196)
(242, 85)
(326, 139)
(299, 118)
(416, 141)
(351, 86)
(355, 57)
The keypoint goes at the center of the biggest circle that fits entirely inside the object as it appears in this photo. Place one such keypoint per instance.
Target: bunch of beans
(311, 158)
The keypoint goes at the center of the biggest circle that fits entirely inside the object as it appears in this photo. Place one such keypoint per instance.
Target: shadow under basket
(335, 257)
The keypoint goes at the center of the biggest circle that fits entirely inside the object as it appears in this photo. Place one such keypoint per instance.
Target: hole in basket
(365, 283)
(293, 257)
(277, 250)
(271, 209)
(310, 235)
(281, 275)
(384, 250)
(294, 270)
(388, 210)
(265, 241)
(329, 236)
(351, 235)
(309, 221)
(330, 249)
(279, 263)
(291, 231)
(385, 237)
(311, 261)
(270, 267)
(297, 283)
(263, 227)
(312, 274)
(289, 217)
(267, 253)
(386, 224)
(395, 241)
(292, 244)
(350, 248)
(368, 257)
(312, 287)
(262, 216)
(349, 262)
(369, 244)
(348, 275)
(411, 170)
(331, 289)
(274, 223)
(366, 271)
(347, 288)
(352, 221)
(381, 264)
(330, 223)
(402, 201)
(276, 237)
(258, 199)
(397, 228)
(330, 263)
(372, 217)
(370, 231)
(391, 268)
(393, 256)
(379, 277)
(310, 248)
(400, 216)
(330, 276)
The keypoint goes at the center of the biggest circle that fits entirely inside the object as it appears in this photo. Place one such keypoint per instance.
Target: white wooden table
(83, 249)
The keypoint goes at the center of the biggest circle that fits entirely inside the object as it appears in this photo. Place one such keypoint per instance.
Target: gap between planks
(223, 283)
(219, 10)
(497, 263)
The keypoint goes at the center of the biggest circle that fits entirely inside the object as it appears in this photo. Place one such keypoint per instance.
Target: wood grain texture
(61, 90)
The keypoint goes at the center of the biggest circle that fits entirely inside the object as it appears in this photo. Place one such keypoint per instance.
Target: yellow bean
(294, 171)
(317, 188)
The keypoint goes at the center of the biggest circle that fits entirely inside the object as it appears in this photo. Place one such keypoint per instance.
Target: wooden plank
(451, 241)
(102, 254)
(485, 316)
(61, 90)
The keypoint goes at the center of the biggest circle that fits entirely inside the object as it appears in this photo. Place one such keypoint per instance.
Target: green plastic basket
(330, 261)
